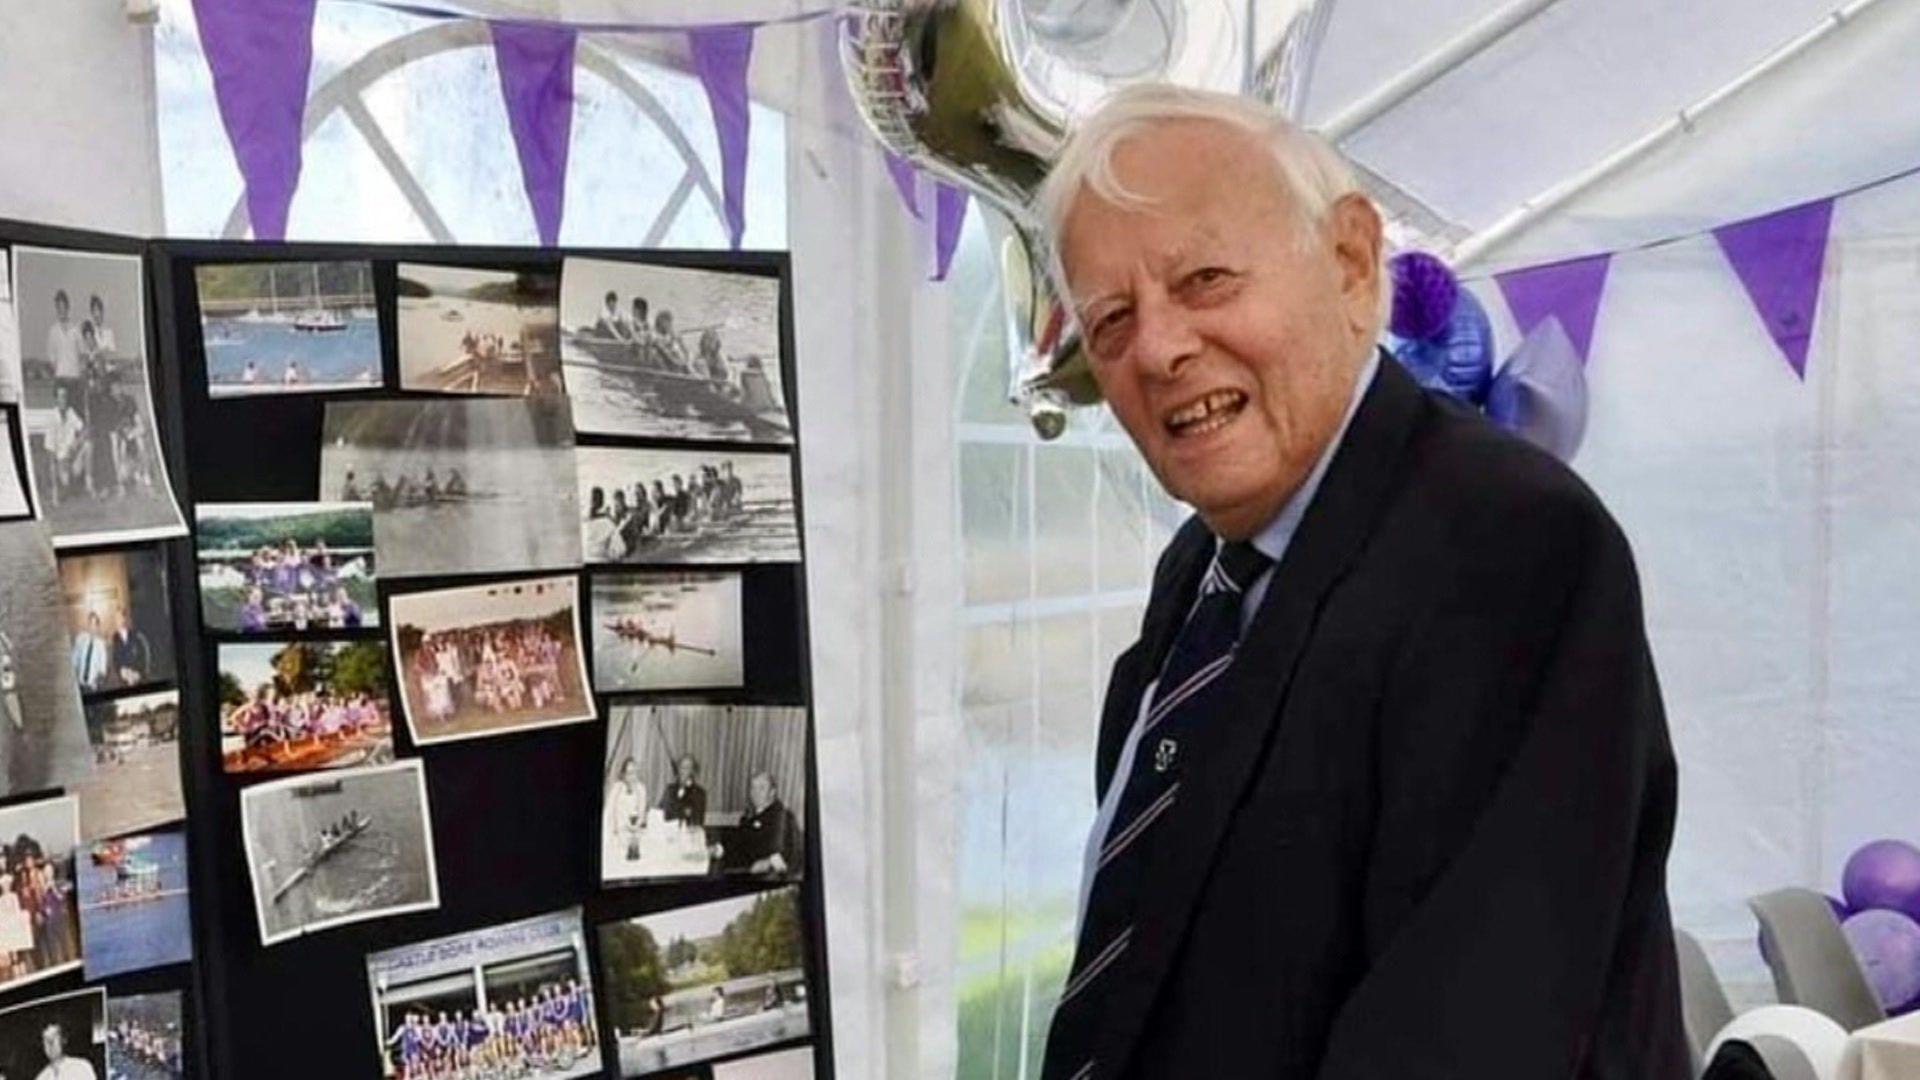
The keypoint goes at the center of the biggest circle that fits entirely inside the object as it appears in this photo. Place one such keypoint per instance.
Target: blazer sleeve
(1514, 901)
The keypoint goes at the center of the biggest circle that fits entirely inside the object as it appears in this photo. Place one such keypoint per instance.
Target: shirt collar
(1272, 541)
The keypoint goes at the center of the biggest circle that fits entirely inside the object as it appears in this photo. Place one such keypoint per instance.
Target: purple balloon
(1884, 874)
(1888, 945)
(1424, 291)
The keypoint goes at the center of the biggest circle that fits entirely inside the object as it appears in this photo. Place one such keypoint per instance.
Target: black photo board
(514, 817)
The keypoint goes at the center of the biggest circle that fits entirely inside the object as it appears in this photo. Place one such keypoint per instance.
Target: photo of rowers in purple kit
(270, 567)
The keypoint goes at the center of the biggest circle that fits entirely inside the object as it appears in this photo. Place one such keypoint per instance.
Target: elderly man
(1386, 790)
(53, 1043)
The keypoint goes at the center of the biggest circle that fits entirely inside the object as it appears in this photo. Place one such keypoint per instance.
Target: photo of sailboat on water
(288, 327)
(333, 848)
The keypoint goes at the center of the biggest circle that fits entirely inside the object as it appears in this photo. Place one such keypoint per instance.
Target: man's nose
(1165, 338)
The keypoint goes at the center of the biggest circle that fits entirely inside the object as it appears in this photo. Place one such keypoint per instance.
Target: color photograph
(135, 783)
(291, 706)
(471, 331)
(98, 476)
(39, 911)
(667, 631)
(514, 1000)
(490, 659)
(695, 790)
(457, 486)
(686, 506)
(288, 327)
(56, 1038)
(338, 847)
(43, 735)
(673, 352)
(133, 903)
(146, 1036)
(271, 567)
(119, 618)
(15, 501)
(695, 983)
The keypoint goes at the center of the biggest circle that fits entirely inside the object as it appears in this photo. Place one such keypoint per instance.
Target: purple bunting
(949, 214)
(720, 57)
(261, 53)
(536, 80)
(1780, 258)
(1568, 291)
(906, 180)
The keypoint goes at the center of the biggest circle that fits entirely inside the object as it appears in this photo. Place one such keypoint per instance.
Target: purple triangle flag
(906, 180)
(1779, 258)
(536, 81)
(1568, 291)
(260, 53)
(949, 214)
(720, 57)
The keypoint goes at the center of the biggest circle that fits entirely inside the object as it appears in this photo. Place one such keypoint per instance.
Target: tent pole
(1475, 248)
(1475, 40)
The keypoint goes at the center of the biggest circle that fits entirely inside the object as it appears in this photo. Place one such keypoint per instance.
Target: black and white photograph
(134, 911)
(56, 1038)
(135, 783)
(794, 1064)
(15, 501)
(490, 659)
(673, 352)
(458, 486)
(272, 567)
(146, 1036)
(291, 706)
(673, 630)
(119, 618)
(686, 506)
(695, 983)
(326, 849)
(39, 905)
(9, 333)
(98, 476)
(697, 790)
(288, 327)
(513, 1000)
(43, 736)
(465, 330)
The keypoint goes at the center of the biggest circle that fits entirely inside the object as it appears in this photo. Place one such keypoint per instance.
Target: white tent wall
(77, 142)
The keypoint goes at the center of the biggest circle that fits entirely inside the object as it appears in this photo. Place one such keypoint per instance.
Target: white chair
(1813, 965)
(1796, 1042)
(1704, 1008)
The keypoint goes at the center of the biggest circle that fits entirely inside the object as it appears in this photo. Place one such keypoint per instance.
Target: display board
(488, 622)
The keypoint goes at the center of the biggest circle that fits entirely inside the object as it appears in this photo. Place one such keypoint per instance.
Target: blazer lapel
(1167, 605)
(1331, 534)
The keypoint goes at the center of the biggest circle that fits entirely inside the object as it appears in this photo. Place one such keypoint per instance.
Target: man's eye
(1108, 333)
(1207, 276)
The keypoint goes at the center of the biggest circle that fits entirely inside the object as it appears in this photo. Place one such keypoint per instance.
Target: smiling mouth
(1206, 414)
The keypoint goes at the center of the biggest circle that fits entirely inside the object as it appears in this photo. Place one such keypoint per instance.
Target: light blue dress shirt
(1272, 542)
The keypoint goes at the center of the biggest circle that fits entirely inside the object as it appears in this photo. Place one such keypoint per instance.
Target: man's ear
(1354, 232)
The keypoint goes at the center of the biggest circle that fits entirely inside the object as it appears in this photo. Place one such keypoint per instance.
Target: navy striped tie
(1185, 696)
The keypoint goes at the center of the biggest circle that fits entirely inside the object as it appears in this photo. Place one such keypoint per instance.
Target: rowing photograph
(458, 486)
(273, 567)
(295, 706)
(56, 1038)
(39, 911)
(119, 618)
(288, 327)
(134, 913)
(87, 404)
(694, 983)
(15, 503)
(135, 783)
(673, 352)
(490, 659)
(794, 1064)
(470, 331)
(341, 847)
(686, 506)
(146, 1036)
(43, 735)
(508, 1002)
(667, 631)
(695, 790)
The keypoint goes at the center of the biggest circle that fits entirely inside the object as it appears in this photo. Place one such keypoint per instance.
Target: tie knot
(1235, 566)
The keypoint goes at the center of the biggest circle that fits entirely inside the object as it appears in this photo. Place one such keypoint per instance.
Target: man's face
(1224, 332)
(60, 308)
(760, 789)
(53, 1043)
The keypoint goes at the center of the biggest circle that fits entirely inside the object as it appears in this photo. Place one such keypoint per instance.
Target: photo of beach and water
(471, 331)
(288, 327)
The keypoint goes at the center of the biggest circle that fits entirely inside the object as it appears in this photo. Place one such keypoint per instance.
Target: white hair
(1313, 174)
